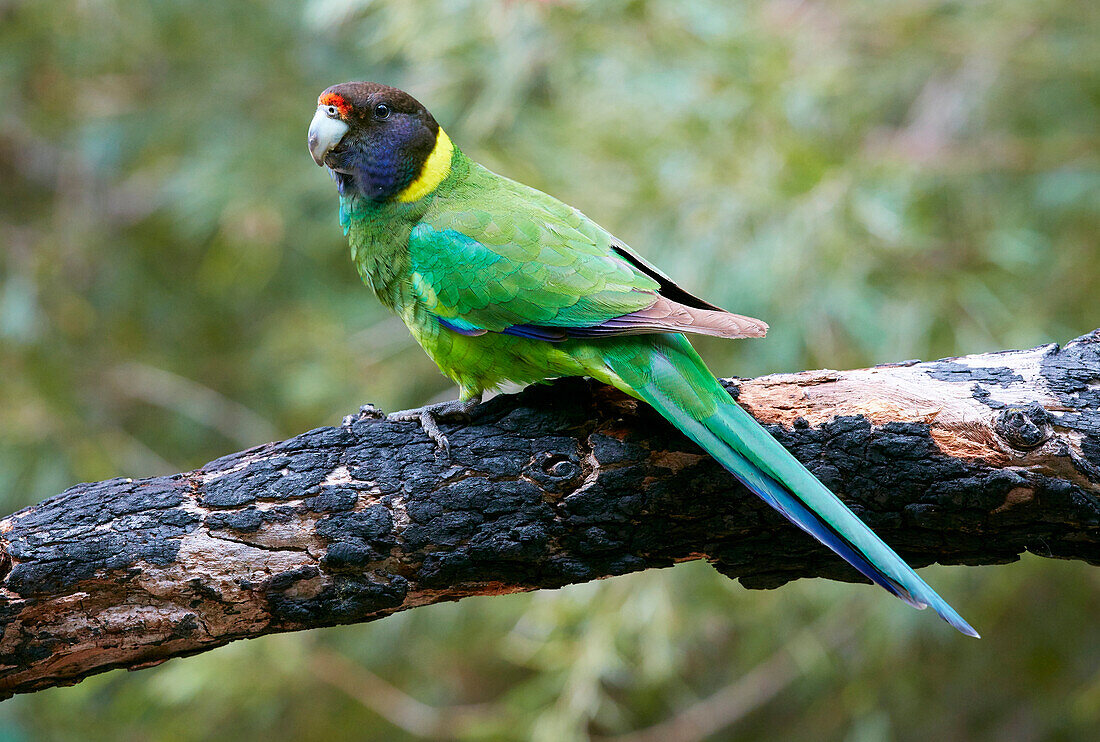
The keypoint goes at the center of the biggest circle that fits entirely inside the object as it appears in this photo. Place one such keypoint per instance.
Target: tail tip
(960, 624)
(947, 613)
(969, 630)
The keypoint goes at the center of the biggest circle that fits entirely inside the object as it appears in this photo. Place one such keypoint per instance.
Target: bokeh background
(879, 181)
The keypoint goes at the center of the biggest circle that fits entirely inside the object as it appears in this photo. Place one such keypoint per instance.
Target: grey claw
(430, 415)
(431, 427)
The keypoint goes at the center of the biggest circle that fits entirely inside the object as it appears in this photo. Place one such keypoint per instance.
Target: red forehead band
(334, 99)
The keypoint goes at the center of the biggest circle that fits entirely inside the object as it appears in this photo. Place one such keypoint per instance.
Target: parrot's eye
(332, 111)
(381, 111)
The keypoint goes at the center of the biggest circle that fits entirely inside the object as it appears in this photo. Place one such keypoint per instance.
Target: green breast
(378, 234)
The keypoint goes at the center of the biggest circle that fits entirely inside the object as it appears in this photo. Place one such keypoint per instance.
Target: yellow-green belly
(482, 362)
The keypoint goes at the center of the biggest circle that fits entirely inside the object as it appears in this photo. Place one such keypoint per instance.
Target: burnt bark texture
(968, 460)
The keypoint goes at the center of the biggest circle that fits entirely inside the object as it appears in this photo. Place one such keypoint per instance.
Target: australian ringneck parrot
(501, 283)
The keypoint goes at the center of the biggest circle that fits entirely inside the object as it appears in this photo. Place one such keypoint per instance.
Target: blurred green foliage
(879, 181)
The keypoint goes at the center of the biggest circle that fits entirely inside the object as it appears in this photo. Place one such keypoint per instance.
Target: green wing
(525, 260)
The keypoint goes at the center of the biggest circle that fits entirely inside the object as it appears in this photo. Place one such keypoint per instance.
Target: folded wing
(550, 273)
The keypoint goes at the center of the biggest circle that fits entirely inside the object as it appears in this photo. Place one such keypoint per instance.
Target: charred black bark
(962, 461)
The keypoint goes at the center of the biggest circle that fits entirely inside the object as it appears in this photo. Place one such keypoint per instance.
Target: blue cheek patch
(386, 171)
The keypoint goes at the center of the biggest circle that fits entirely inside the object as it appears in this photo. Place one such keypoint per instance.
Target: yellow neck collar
(436, 168)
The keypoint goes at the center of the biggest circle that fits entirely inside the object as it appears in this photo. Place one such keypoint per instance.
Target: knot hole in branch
(1024, 428)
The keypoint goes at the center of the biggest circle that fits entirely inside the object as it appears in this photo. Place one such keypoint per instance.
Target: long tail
(666, 372)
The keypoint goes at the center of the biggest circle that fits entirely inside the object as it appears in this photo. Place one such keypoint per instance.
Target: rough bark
(961, 461)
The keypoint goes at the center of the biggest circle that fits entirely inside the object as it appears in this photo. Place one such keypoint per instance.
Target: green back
(489, 253)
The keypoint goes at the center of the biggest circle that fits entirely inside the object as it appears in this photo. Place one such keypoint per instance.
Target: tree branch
(962, 461)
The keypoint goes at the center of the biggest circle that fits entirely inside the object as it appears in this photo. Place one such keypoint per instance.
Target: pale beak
(325, 133)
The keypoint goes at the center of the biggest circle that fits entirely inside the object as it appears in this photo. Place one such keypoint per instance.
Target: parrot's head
(377, 140)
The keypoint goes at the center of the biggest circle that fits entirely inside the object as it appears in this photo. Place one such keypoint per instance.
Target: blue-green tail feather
(673, 379)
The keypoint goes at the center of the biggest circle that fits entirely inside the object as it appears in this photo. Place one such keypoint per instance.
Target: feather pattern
(551, 274)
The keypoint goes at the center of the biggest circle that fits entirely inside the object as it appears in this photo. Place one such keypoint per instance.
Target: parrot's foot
(429, 416)
(366, 411)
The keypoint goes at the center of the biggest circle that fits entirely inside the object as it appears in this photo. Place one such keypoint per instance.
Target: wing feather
(531, 266)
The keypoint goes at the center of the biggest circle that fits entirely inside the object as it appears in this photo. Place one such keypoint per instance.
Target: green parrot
(501, 283)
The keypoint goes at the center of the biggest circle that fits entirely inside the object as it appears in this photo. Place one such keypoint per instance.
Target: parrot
(499, 282)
